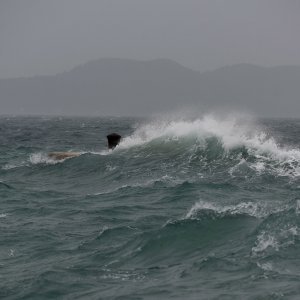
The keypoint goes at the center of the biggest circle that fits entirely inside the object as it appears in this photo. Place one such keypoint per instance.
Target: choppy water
(199, 208)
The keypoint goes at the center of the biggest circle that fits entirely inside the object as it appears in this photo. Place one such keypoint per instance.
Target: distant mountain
(129, 87)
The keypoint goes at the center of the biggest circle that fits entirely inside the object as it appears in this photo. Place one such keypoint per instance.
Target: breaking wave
(252, 209)
(232, 132)
(214, 137)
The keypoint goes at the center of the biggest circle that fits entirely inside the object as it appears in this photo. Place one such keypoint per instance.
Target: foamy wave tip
(234, 130)
(245, 208)
(208, 125)
(43, 158)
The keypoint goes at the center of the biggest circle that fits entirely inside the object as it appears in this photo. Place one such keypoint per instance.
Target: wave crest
(244, 208)
(212, 137)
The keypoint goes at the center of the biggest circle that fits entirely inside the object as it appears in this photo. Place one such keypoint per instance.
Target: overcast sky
(51, 36)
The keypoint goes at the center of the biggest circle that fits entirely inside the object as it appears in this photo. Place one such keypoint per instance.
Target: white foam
(248, 208)
(3, 215)
(110, 168)
(232, 131)
(10, 166)
(253, 209)
(36, 158)
(259, 166)
(264, 241)
(123, 275)
(103, 229)
(174, 129)
(294, 231)
(103, 152)
(265, 266)
(43, 158)
(11, 252)
(275, 238)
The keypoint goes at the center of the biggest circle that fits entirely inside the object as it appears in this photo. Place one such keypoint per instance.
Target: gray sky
(51, 36)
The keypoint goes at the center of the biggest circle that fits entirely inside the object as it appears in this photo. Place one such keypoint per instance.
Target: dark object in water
(113, 140)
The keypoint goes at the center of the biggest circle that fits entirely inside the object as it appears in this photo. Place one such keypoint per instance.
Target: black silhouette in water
(113, 140)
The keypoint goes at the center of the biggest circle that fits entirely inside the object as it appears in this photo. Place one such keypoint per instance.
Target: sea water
(204, 207)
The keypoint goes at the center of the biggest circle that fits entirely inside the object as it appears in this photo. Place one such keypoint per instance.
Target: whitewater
(196, 207)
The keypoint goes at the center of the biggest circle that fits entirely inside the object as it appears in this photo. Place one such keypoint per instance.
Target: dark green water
(201, 208)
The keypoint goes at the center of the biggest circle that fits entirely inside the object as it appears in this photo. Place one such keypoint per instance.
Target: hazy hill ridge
(129, 87)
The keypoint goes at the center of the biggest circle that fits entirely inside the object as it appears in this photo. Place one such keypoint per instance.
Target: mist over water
(201, 207)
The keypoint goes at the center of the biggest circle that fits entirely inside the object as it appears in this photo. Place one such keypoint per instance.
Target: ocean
(202, 207)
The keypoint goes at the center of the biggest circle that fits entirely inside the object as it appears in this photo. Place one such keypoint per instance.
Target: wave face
(198, 208)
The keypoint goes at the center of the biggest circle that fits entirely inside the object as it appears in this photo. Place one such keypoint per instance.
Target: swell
(262, 237)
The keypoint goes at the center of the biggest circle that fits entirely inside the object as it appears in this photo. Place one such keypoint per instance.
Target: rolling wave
(231, 133)
(212, 139)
